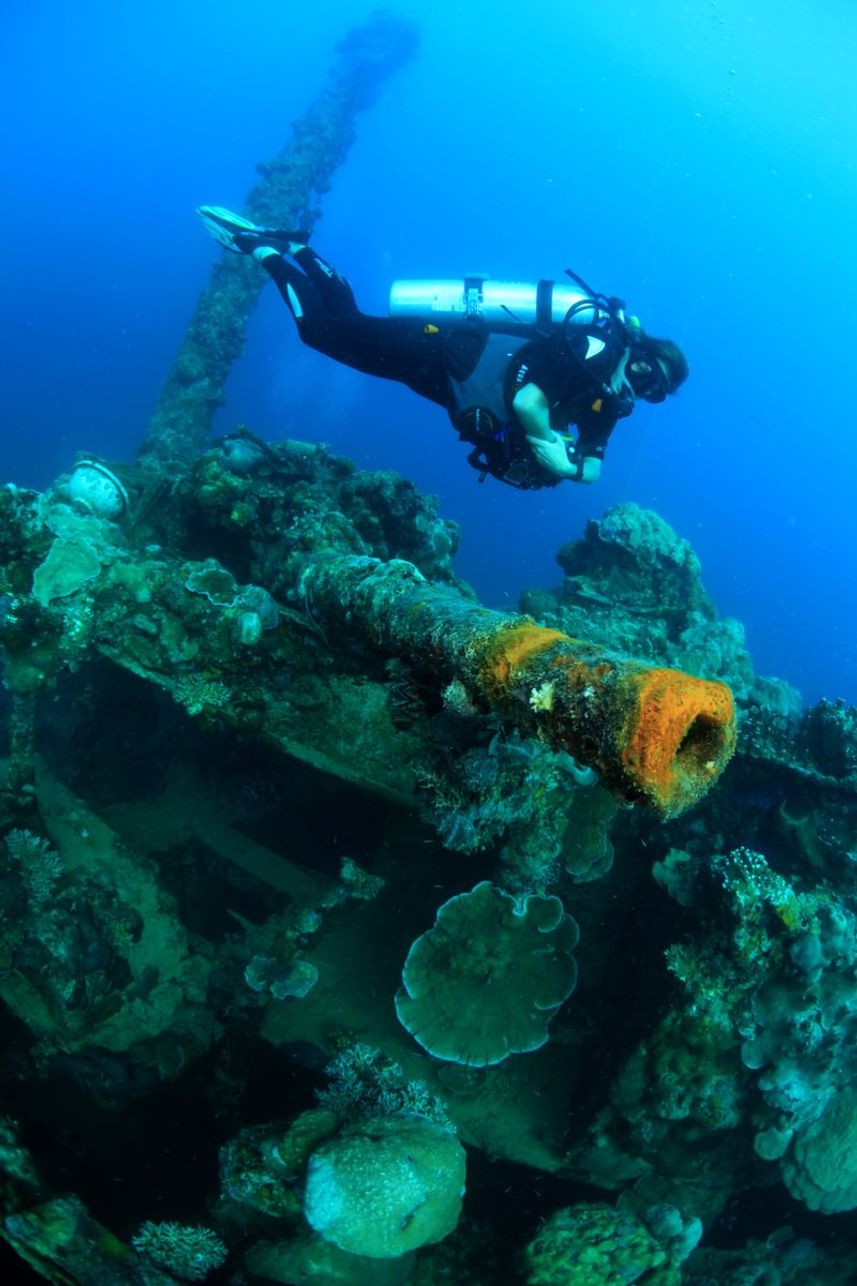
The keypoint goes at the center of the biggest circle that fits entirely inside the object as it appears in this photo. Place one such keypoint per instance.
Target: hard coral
(596, 1245)
(822, 1170)
(191, 1253)
(485, 981)
(385, 1185)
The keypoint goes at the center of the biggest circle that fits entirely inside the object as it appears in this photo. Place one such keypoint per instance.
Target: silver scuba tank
(457, 299)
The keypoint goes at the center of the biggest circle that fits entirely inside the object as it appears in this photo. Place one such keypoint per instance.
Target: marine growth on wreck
(353, 932)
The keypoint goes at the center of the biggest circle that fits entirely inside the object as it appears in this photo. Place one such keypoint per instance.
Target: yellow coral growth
(509, 649)
(679, 734)
(655, 735)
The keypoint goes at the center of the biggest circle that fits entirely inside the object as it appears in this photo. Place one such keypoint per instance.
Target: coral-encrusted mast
(284, 197)
(656, 736)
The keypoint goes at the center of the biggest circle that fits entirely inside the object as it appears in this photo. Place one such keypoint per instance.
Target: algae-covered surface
(299, 926)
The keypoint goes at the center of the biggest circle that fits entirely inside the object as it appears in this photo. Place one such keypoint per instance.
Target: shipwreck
(330, 896)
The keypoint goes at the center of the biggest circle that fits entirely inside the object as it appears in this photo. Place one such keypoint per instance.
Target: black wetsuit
(430, 358)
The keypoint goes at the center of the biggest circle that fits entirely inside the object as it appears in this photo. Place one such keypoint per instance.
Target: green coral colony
(303, 849)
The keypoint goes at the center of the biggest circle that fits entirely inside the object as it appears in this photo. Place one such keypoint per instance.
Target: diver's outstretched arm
(550, 450)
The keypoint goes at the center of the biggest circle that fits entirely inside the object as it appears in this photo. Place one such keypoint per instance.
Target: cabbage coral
(486, 979)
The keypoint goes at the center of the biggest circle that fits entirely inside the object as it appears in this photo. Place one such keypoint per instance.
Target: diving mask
(647, 376)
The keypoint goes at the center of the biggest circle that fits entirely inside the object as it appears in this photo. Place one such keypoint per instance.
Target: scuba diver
(514, 365)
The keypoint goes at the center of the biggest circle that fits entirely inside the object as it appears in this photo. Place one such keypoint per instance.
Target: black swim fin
(241, 236)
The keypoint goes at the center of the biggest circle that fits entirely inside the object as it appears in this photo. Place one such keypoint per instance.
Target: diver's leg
(241, 236)
(327, 320)
(303, 297)
(394, 348)
(335, 290)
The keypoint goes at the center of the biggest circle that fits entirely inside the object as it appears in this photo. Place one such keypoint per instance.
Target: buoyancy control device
(580, 321)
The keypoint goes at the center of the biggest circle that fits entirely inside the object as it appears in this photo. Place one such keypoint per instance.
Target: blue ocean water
(695, 157)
